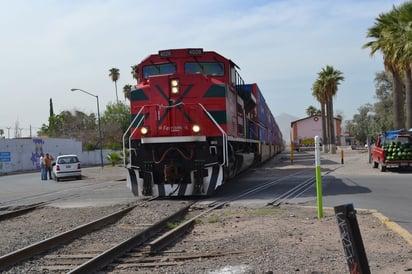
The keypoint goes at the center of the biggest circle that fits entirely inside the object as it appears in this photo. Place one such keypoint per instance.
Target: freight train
(194, 124)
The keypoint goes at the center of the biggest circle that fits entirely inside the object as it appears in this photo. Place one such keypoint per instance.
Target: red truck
(392, 149)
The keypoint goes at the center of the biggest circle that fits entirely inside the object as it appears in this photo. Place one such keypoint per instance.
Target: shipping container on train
(195, 124)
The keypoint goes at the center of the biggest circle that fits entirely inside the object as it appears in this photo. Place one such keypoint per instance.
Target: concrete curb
(394, 227)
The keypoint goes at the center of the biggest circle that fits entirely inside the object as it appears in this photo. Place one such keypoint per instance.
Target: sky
(49, 47)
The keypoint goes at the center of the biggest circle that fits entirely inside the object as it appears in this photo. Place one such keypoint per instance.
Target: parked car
(67, 166)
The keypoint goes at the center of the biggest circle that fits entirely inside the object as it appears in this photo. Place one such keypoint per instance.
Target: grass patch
(266, 211)
(172, 225)
(214, 219)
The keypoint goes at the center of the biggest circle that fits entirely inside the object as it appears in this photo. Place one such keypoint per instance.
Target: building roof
(310, 117)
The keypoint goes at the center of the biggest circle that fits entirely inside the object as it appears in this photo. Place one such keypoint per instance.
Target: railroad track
(68, 250)
(31, 200)
(152, 254)
(11, 211)
(49, 243)
(142, 249)
(8, 213)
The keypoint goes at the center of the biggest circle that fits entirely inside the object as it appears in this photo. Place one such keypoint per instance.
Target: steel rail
(296, 189)
(254, 190)
(155, 246)
(158, 244)
(107, 257)
(165, 239)
(20, 211)
(42, 246)
(36, 196)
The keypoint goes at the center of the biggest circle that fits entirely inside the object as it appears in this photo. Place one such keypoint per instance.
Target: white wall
(24, 154)
(93, 157)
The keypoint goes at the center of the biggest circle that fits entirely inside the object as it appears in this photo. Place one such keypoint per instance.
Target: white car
(67, 166)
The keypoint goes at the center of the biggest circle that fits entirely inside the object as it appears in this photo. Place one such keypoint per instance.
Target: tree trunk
(331, 128)
(398, 102)
(115, 86)
(408, 97)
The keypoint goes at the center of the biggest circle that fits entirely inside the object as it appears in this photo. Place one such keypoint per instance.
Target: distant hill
(284, 121)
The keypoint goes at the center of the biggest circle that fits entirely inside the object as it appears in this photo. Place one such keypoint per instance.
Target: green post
(318, 178)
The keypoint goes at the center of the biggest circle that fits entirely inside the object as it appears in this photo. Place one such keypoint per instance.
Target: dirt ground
(287, 239)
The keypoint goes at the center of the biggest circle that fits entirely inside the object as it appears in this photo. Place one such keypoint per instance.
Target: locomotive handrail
(172, 106)
(127, 130)
(224, 135)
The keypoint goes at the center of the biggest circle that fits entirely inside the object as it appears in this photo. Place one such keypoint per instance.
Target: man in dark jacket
(48, 161)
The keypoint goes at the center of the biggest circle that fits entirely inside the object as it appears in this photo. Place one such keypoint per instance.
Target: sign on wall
(5, 156)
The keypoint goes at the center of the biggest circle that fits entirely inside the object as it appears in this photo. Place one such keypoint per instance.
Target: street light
(98, 120)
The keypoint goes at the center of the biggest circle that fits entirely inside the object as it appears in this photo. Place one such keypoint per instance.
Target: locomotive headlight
(174, 86)
(144, 130)
(195, 128)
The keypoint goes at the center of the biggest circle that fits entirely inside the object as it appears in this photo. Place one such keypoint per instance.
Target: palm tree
(403, 35)
(127, 89)
(135, 72)
(318, 92)
(311, 110)
(115, 74)
(330, 79)
(385, 33)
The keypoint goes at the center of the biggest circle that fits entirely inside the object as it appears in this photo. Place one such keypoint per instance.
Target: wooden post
(351, 239)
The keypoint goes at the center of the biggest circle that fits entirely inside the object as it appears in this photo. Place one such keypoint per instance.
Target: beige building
(303, 131)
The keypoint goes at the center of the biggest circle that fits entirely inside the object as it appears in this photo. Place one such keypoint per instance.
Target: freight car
(195, 124)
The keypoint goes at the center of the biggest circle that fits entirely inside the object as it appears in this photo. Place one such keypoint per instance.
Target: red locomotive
(195, 124)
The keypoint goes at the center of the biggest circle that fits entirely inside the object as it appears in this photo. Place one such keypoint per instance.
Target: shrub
(114, 158)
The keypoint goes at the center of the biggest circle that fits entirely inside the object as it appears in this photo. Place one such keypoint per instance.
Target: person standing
(43, 174)
(48, 161)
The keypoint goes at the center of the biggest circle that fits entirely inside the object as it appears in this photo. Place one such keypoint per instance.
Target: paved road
(99, 187)
(358, 183)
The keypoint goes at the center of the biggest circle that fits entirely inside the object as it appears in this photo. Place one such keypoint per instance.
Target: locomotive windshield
(207, 68)
(158, 69)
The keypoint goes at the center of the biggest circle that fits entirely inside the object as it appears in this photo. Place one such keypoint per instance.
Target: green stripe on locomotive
(138, 95)
(219, 116)
(216, 91)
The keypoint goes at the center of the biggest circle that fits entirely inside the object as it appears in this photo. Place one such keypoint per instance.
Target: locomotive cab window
(207, 68)
(158, 69)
